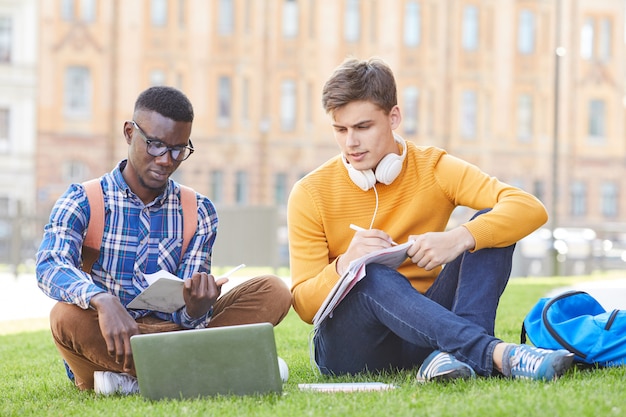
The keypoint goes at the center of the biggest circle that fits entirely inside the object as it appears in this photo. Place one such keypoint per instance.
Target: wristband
(209, 315)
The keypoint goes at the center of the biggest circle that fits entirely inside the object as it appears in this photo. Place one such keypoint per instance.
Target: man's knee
(280, 295)
(274, 296)
(73, 327)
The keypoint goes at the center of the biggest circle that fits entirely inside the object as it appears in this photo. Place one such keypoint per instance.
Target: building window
(6, 36)
(67, 10)
(597, 120)
(578, 195)
(586, 39)
(241, 187)
(5, 129)
(412, 24)
(224, 97)
(74, 171)
(524, 117)
(596, 39)
(469, 111)
(526, 32)
(609, 204)
(158, 13)
(226, 19)
(604, 40)
(280, 189)
(411, 110)
(288, 104)
(470, 28)
(88, 10)
(290, 18)
(352, 21)
(217, 186)
(77, 92)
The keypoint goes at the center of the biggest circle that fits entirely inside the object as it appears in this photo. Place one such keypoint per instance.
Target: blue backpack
(577, 322)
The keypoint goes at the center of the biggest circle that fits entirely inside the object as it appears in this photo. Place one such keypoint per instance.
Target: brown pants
(77, 334)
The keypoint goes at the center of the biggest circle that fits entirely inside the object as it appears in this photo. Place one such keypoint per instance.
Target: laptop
(231, 360)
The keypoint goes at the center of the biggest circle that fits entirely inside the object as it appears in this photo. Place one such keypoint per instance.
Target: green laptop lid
(231, 360)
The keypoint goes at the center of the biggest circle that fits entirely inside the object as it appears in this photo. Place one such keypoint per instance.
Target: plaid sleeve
(58, 259)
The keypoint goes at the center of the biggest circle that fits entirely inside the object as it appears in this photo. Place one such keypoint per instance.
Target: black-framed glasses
(155, 147)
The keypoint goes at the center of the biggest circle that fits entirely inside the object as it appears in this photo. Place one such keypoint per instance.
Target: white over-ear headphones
(387, 170)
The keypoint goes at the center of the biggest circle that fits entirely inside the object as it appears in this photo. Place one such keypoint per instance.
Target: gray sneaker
(442, 366)
(109, 383)
(528, 362)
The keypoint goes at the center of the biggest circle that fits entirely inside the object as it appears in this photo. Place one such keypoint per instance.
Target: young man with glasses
(91, 324)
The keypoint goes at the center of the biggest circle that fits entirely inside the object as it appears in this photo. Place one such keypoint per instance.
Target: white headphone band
(386, 172)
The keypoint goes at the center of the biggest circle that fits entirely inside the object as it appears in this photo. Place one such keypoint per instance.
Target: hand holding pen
(365, 241)
(360, 229)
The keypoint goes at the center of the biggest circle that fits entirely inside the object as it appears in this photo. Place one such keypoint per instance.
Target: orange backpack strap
(190, 215)
(95, 228)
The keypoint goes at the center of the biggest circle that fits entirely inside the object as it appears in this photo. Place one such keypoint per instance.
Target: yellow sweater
(421, 199)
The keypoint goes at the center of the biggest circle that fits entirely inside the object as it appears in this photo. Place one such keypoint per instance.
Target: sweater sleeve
(514, 213)
(313, 273)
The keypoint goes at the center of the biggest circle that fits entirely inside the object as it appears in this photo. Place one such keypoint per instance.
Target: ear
(128, 131)
(395, 117)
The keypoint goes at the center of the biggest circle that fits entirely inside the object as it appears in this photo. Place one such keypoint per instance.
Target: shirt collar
(120, 183)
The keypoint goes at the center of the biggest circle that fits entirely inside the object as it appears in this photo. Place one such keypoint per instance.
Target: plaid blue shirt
(138, 239)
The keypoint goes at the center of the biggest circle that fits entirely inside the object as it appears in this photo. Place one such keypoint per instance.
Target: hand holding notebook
(164, 292)
(392, 257)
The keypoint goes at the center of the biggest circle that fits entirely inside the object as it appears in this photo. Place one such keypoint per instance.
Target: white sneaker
(284, 369)
(109, 383)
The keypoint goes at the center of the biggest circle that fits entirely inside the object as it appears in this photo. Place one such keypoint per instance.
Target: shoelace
(526, 360)
(129, 384)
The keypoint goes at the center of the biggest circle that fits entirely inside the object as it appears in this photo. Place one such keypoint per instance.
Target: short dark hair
(360, 80)
(167, 101)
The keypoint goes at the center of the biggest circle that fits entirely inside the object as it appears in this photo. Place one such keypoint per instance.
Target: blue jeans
(384, 323)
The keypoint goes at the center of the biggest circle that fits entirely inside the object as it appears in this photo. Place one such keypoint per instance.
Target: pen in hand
(232, 271)
(360, 229)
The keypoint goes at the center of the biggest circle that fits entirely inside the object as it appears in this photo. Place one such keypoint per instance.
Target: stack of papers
(392, 257)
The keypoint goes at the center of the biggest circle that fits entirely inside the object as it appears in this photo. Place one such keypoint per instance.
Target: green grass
(33, 383)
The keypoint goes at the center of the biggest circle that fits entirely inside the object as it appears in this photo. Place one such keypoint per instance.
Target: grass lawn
(33, 383)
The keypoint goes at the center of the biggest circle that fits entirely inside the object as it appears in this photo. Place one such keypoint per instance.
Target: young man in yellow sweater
(421, 315)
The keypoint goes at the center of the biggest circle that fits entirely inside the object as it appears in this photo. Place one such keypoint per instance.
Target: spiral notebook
(392, 257)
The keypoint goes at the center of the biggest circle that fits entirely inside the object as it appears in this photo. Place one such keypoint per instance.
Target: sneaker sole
(452, 374)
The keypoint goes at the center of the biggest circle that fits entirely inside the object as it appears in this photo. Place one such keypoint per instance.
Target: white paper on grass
(346, 386)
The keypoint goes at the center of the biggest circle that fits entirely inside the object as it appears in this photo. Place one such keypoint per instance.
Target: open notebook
(232, 360)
